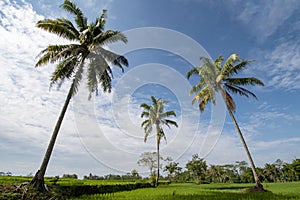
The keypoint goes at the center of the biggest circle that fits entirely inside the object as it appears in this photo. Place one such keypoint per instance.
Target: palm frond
(105, 81)
(145, 106)
(193, 71)
(239, 67)
(218, 62)
(154, 101)
(145, 122)
(197, 87)
(202, 93)
(80, 19)
(54, 53)
(145, 114)
(109, 56)
(61, 27)
(228, 65)
(239, 90)
(171, 122)
(100, 22)
(64, 70)
(92, 80)
(168, 114)
(77, 78)
(245, 81)
(119, 61)
(108, 37)
(204, 101)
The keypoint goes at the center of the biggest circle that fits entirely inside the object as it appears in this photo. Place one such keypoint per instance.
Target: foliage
(172, 168)
(70, 176)
(71, 187)
(149, 160)
(197, 168)
(65, 188)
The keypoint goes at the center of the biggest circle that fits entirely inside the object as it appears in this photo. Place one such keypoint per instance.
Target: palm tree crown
(156, 115)
(215, 77)
(89, 40)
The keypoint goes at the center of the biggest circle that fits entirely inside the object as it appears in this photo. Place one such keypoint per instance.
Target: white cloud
(265, 18)
(284, 66)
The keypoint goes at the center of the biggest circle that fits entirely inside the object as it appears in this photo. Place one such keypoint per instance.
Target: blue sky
(103, 135)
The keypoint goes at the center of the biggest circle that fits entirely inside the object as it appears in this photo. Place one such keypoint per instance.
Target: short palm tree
(218, 78)
(156, 116)
(85, 50)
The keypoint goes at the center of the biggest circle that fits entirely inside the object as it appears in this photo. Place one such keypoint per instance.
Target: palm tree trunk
(157, 176)
(258, 185)
(157, 146)
(38, 179)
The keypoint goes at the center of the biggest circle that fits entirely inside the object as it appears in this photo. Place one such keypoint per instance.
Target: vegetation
(218, 78)
(230, 181)
(156, 116)
(205, 191)
(87, 41)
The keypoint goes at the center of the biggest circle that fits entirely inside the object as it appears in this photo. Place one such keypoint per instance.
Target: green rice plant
(210, 191)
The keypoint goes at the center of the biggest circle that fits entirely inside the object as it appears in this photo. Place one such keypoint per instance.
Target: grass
(184, 191)
(209, 191)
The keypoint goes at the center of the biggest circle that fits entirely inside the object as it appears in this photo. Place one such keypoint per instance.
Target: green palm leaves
(215, 77)
(87, 49)
(156, 116)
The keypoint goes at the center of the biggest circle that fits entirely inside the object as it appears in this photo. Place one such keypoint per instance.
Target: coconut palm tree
(222, 79)
(156, 116)
(85, 50)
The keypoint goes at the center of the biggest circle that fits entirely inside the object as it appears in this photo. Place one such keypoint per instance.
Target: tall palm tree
(218, 78)
(156, 116)
(84, 50)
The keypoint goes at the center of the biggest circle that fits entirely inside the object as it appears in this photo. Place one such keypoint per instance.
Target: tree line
(198, 171)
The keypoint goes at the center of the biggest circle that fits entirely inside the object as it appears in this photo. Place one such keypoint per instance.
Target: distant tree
(218, 77)
(135, 174)
(197, 168)
(241, 166)
(215, 174)
(74, 176)
(149, 160)
(8, 174)
(93, 177)
(292, 170)
(172, 168)
(156, 115)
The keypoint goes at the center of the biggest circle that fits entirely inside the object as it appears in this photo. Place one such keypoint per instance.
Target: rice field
(211, 191)
(178, 191)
